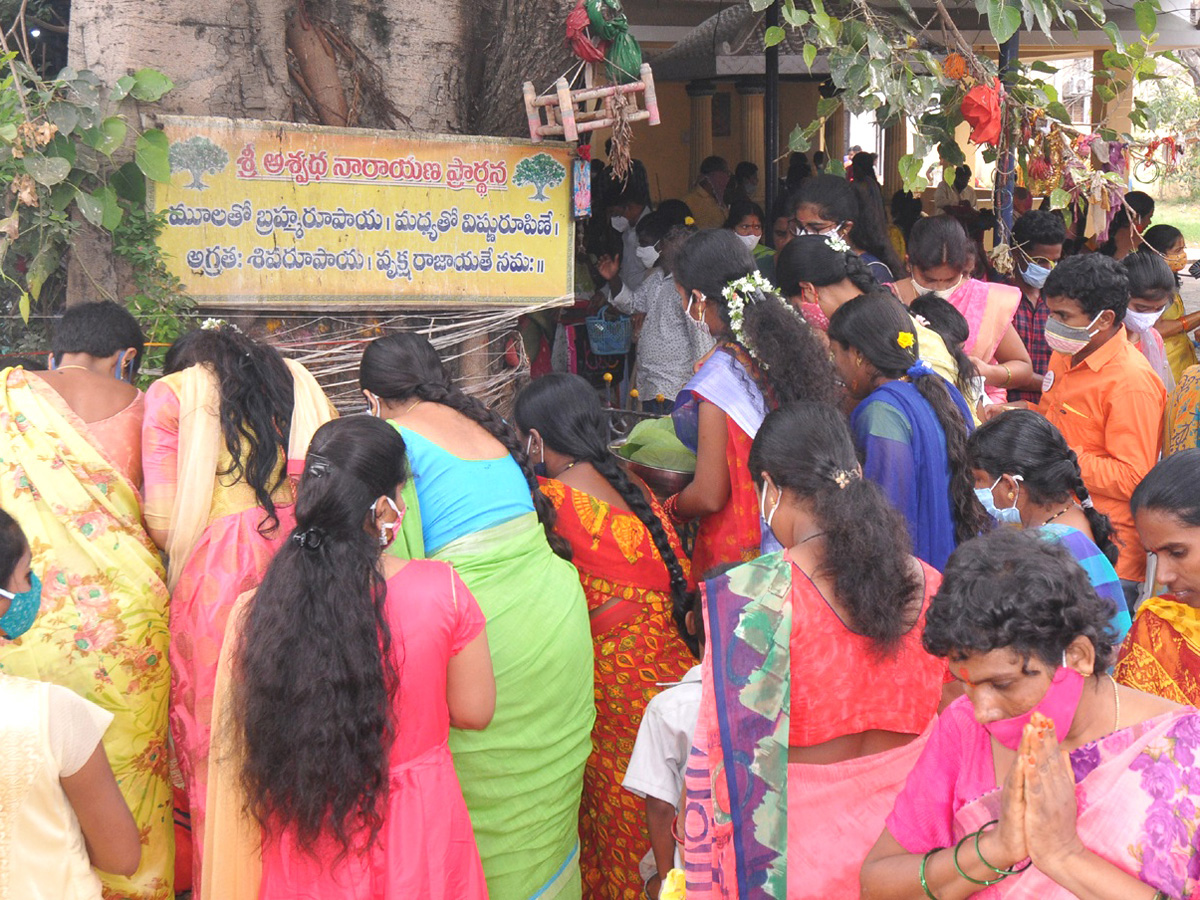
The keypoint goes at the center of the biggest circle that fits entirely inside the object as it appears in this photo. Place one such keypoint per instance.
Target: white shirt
(664, 740)
(659, 759)
(633, 273)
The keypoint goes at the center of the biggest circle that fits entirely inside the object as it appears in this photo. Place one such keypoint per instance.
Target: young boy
(659, 758)
(1102, 394)
(1037, 239)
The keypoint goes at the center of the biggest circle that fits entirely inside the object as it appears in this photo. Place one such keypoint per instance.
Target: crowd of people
(942, 544)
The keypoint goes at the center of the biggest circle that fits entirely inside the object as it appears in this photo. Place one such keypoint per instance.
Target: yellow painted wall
(664, 149)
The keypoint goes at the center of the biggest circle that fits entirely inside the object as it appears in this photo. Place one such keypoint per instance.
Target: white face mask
(619, 223)
(1141, 322)
(762, 505)
(833, 229)
(647, 255)
(750, 240)
(700, 325)
(945, 293)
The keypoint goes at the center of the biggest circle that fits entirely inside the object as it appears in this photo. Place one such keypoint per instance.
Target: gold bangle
(1007, 375)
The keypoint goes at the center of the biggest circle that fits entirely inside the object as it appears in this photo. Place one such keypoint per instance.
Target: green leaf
(152, 155)
(1114, 60)
(1003, 20)
(810, 55)
(150, 84)
(47, 170)
(1114, 35)
(1145, 16)
(797, 18)
(1059, 199)
(112, 135)
(760, 5)
(827, 106)
(1106, 93)
(129, 183)
(773, 35)
(1057, 111)
(798, 141)
(8, 132)
(91, 206)
(112, 209)
(23, 306)
(122, 88)
(64, 115)
(41, 269)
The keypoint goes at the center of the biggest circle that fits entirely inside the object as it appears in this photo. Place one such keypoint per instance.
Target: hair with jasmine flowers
(794, 363)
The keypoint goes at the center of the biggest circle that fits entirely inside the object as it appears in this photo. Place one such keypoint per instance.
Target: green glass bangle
(924, 863)
(979, 853)
(957, 847)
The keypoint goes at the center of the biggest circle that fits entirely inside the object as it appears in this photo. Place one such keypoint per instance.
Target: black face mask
(539, 469)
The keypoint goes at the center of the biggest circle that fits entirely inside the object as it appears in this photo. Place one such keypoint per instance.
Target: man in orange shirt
(1102, 395)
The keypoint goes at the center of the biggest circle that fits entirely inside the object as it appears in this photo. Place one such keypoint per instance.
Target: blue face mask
(1009, 516)
(1035, 276)
(23, 609)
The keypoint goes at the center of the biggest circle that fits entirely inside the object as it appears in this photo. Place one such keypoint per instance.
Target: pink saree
(850, 800)
(735, 816)
(1138, 792)
(989, 309)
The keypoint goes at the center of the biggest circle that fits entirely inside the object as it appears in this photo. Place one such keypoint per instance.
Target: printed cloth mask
(619, 223)
(23, 609)
(1141, 322)
(388, 530)
(1008, 516)
(1069, 339)
(1059, 704)
(1035, 276)
(944, 293)
(647, 255)
(750, 240)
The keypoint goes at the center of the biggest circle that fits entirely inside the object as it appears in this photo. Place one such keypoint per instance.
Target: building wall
(665, 149)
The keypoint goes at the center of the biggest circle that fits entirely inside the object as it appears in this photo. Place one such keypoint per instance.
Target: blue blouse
(462, 496)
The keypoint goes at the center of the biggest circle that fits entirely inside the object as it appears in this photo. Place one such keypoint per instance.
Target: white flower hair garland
(750, 289)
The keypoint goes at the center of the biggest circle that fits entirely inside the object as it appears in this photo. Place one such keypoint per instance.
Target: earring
(858, 361)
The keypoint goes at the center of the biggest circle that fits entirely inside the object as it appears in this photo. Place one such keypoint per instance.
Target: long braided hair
(567, 414)
(405, 366)
(872, 324)
(1023, 442)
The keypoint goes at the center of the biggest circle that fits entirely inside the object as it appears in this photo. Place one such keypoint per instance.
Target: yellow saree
(102, 629)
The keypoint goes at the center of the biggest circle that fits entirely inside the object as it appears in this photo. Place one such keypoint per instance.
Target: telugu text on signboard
(274, 214)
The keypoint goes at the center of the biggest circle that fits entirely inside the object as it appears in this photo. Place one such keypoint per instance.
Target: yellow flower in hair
(689, 221)
(905, 339)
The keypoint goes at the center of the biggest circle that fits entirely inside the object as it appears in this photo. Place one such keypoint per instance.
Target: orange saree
(1161, 653)
(637, 648)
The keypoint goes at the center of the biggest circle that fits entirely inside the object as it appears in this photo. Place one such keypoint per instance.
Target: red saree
(1161, 653)
(637, 647)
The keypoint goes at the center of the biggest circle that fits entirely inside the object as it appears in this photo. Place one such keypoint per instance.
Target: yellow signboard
(275, 214)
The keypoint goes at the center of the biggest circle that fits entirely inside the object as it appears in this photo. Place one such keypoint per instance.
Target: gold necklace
(60, 368)
(411, 408)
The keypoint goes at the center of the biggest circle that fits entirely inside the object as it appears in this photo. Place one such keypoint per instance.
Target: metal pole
(771, 115)
(1009, 51)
